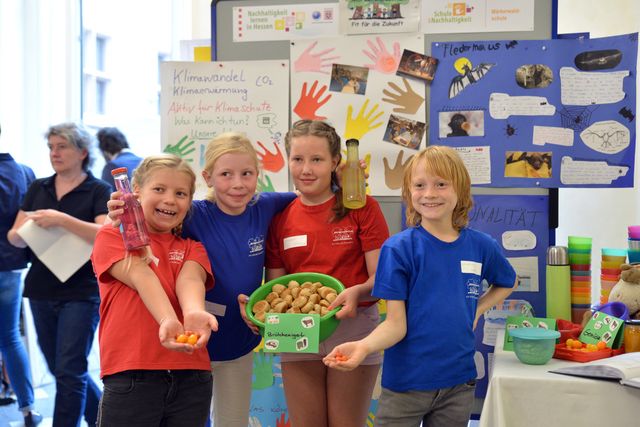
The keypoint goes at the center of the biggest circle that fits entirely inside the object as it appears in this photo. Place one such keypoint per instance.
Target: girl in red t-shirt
(317, 233)
(150, 376)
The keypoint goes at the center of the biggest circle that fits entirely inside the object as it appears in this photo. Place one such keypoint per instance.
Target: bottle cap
(117, 171)
(352, 141)
(557, 255)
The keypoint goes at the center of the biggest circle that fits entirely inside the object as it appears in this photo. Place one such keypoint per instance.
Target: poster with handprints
(548, 113)
(201, 100)
(355, 87)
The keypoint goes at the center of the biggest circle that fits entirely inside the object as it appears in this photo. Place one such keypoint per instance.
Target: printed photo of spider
(510, 130)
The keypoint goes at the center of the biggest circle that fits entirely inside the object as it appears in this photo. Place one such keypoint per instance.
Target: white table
(530, 396)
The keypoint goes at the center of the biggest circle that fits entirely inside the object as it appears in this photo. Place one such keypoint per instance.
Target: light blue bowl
(534, 346)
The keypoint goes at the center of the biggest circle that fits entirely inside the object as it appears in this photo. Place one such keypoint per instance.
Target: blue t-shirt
(125, 159)
(440, 283)
(236, 249)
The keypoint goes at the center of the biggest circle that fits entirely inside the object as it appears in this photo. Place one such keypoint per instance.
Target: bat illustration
(467, 76)
(627, 114)
(512, 44)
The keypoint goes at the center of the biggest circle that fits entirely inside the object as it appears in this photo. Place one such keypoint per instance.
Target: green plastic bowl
(328, 322)
(534, 346)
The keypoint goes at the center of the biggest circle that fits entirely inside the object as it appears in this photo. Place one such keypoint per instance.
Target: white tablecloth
(530, 396)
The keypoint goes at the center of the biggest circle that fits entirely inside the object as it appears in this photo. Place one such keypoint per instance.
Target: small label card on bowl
(291, 333)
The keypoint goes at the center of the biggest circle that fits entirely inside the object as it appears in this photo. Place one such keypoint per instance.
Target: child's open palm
(346, 357)
(168, 331)
(201, 323)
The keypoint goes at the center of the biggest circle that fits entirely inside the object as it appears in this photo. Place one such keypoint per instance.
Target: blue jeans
(140, 398)
(65, 335)
(11, 345)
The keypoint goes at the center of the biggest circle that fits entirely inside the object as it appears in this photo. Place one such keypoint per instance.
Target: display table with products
(522, 395)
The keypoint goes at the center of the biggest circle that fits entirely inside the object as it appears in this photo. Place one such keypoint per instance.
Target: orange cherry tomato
(193, 339)
(182, 339)
(601, 345)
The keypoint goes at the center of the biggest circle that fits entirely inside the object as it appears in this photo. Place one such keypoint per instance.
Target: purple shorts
(350, 329)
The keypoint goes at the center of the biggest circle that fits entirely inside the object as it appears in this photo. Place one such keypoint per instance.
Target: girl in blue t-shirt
(431, 276)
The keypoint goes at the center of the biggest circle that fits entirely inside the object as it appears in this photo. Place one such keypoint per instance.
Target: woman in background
(65, 314)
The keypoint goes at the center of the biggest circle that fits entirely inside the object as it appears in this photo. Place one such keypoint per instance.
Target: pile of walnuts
(308, 298)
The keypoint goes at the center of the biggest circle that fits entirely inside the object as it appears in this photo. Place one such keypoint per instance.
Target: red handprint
(281, 422)
(271, 162)
(309, 103)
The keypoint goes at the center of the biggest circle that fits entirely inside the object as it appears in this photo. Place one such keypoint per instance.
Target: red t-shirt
(128, 333)
(301, 239)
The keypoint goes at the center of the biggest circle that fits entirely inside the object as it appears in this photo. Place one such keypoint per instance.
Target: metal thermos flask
(558, 283)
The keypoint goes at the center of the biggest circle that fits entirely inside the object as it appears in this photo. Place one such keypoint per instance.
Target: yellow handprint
(362, 124)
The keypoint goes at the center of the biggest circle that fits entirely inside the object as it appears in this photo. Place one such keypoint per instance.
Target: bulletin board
(268, 406)
(550, 113)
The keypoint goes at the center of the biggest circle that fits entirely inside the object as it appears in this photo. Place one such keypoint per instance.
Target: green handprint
(180, 150)
(362, 124)
(263, 370)
(265, 185)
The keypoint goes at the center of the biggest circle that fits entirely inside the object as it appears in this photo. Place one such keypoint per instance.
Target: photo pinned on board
(405, 132)
(527, 164)
(414, 64)
(460, 123)
(349, 79)
(534, 76)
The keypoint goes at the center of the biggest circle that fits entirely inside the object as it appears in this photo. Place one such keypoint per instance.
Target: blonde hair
(321, 129)
(227, 143)
(446, 163)
(164, 161)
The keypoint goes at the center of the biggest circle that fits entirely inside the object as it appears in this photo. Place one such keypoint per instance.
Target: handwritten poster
(200, 100)
(367, 91)
(379, 16)
(476, 16)
(551, 113)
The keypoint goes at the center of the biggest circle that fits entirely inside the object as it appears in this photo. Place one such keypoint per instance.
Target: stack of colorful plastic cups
(612, 259)
(634, 243)
(580, 265)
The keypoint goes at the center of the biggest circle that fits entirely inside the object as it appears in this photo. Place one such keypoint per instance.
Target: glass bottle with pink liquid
(132, 224)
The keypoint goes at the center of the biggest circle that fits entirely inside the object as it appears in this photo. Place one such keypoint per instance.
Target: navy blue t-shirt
(236, 248)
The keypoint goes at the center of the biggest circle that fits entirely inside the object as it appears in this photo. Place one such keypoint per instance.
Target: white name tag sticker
(215, 309)
(471, 267)
(295, 242)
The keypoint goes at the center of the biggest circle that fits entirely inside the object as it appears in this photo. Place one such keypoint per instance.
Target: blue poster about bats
(538, 113)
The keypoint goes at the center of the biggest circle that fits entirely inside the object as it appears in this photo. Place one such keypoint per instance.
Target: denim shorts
(156, 397)
(350, 329)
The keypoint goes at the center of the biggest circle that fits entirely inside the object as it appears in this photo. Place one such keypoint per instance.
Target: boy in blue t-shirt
(431, 276)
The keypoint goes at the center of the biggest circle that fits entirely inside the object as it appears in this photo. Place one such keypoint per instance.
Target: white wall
(599, 213)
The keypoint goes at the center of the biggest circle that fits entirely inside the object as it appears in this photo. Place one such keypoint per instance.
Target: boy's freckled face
(166, 198)
(433, 197)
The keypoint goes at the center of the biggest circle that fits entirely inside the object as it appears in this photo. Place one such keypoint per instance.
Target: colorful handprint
(314, 62)
(362, 124)
(383, 61)
(265, 185)
(409, 102)
(180, 150)
(271, 162)
(393, 176)
(262, 370)
(282, 422)
(309, 102)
